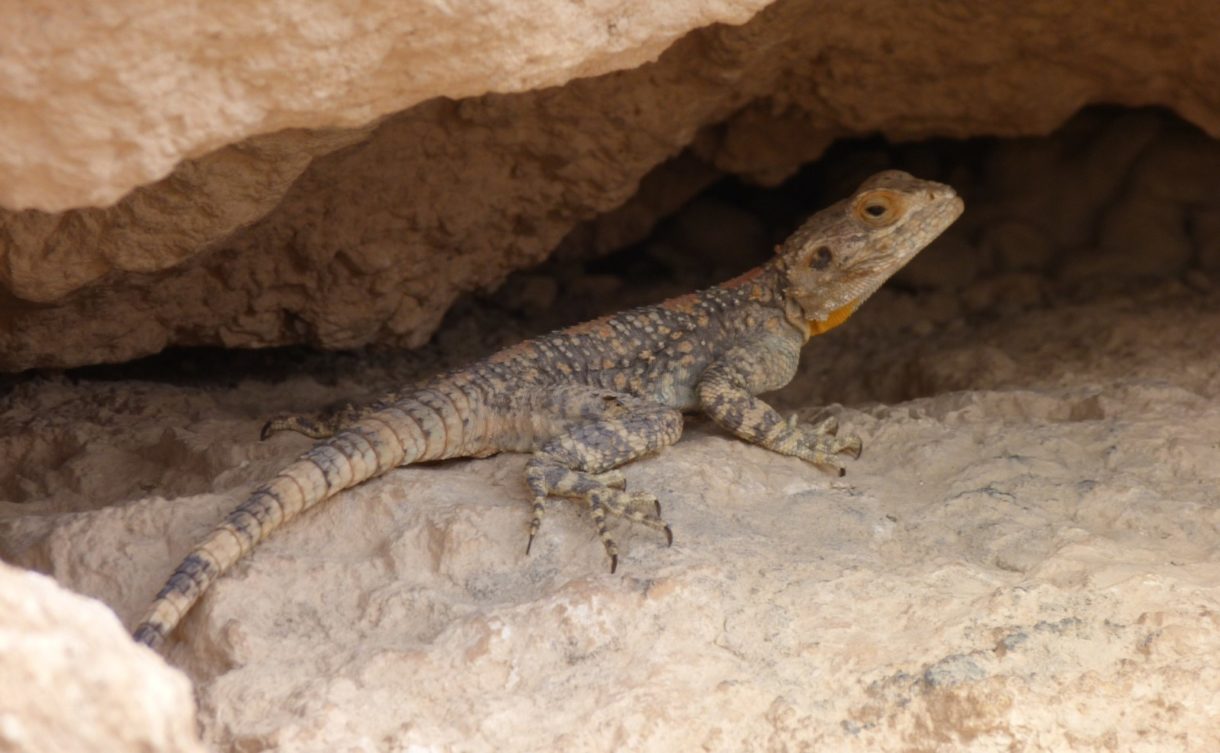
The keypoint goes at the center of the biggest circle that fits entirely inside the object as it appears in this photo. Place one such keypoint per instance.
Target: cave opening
(1037, 394)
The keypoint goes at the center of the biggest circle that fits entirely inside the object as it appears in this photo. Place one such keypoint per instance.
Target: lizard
(587, 399)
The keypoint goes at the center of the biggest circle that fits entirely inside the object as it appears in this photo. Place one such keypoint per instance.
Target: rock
(74, 681)
(1026, 555)
(1206, 224)
(307, 190)
(98, 104)
(1031, 528)
(1017, 245)
(1151, 228)
(1060, 185)
(950, 262)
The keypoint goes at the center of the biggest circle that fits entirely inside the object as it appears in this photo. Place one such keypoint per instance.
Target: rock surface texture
(1026, 557)
(337, 174)
(72, 681)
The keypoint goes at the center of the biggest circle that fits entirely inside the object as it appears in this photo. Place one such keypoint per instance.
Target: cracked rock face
(322, 195)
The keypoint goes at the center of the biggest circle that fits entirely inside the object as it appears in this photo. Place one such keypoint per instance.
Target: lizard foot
(300, 424)
(820, 450)
(827, 427)
(850, 446)
(818, 443)
(605, 497)
(315, 426)
(613, 479)
(638, 507)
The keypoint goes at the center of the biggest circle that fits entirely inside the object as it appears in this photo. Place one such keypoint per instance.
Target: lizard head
(841, 255)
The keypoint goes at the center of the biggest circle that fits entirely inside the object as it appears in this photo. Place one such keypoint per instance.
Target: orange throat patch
(838, 316)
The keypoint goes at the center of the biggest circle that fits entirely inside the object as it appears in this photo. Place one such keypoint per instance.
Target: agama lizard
(587, 399)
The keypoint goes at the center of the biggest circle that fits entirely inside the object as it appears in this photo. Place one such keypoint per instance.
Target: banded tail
(421, 427)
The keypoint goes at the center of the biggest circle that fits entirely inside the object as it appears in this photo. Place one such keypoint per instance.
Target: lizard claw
(669, 535)
(834, 469)
(819, 442)
(613, 563)
(529, 544)
(852, 446)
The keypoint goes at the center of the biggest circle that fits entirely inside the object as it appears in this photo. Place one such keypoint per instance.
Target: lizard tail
(395, 435)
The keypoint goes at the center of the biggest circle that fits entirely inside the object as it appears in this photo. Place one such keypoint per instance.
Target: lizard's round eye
(821, 257)
(877, 208)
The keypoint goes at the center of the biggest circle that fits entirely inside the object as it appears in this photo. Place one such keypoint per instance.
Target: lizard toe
(613, 479)
(851, 446)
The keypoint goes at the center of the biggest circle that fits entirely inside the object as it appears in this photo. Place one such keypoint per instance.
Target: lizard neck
(767, 286)
(763, 286)
(798, 314)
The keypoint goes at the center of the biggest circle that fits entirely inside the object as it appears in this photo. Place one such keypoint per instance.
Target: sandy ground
(1025, 558)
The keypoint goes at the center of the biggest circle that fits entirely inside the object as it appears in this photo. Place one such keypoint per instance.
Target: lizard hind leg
(581, 463)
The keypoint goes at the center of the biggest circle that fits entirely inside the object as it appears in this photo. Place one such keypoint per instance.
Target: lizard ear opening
(821, 257)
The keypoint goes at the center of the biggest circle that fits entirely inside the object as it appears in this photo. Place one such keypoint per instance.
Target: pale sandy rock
(102, 97)
(1024, 558)
(71, 681)
(287, 237)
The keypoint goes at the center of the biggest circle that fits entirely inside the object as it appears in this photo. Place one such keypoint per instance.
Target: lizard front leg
(726, 392)
(580, 462)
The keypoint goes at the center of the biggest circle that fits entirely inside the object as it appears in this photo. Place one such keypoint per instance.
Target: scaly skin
(587, 399)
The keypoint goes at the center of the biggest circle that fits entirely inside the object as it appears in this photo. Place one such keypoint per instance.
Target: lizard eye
(877, 208)
(821, 258)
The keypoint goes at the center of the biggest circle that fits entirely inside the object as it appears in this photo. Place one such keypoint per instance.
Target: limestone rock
(73, 681)
(393, 192)
(1026, 556)
(99, 103)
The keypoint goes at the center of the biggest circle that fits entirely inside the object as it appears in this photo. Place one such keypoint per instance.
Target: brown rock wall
(345, 237)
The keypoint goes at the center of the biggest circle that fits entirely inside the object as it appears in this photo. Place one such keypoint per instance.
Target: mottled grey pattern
(590, 398)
